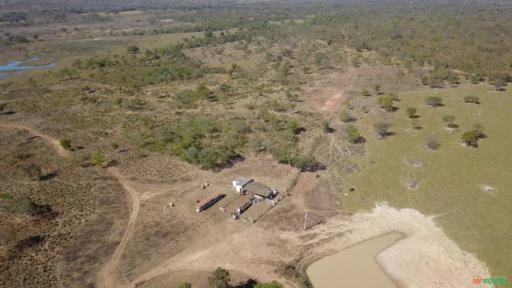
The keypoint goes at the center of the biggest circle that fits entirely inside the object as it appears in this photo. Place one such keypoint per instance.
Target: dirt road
(55, 143)
(107, 277)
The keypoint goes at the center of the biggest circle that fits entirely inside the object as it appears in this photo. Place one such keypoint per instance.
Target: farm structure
(209, 202)
(259, 190)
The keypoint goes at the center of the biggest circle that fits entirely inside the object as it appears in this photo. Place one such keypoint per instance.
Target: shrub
(431, 142)
(345, 116)
(352, 134)
(184, 285)
(382, 128)
(97, 157)
(470, 138)
(326, 127)
(386, 102)
(471, 100)
(65, 143)
(411, 112)
(449, 119)
(416, 124)
(434, 101)
(132, 49)
(366, 93)
(273, 284)
(219, 278)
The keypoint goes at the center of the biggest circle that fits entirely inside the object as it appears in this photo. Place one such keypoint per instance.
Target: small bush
(471, 100)
(411, 112)
(386, 102)
(184, 285)
(273, 284)
(431, 142)
(434, 101)
(470, 138)
(132, 49)
(97, 157)
(352, 134)
(219, 278)
(366, 93)
(326, 127)
(65, 143)
(382, 128)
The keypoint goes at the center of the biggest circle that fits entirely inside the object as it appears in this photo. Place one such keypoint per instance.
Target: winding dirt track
(55, 143)
(107, 274)
(106, 277)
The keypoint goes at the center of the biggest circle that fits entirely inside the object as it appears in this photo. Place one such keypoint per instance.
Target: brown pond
(354, 266)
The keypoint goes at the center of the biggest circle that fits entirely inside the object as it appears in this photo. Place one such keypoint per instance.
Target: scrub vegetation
(350, 91)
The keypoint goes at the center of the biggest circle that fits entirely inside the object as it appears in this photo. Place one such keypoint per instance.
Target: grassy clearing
(449, 183)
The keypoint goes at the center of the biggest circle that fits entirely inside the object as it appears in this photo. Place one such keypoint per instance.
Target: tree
(345, 116)
(386, 102)
(450, 119)
(470, 138)
(434, 101)
(411, 112)
(366, 92)
(431, 142)
(471, 100)
(219, 278)
(352, 134)
(65, 143)
(208, 33)
(184, 285)
(273, 284)
(376, 88)
(97, 157)
(132, 49)
(326, 127)
(416, 124)
(382, 128)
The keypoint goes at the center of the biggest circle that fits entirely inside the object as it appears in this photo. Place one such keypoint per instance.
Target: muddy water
(354, 266)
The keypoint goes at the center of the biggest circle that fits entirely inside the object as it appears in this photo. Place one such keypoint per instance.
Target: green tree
(97, 157)
(352, 134)
(470, 138)
(366, 92)
(382, 128)
(326, 127)
(434, 101)
(411, 112)
(471, 100)
(448, 118)
(386, 102)
(273, 284)
(65, 143)
(219, 278)
(345, 116)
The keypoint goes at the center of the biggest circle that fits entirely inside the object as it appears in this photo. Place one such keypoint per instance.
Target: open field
(450, 181)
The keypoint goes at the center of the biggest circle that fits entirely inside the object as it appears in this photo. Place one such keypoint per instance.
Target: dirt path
(55, 143)
(107, 277)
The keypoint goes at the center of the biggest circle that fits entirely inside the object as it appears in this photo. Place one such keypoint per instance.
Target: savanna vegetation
(212, 83)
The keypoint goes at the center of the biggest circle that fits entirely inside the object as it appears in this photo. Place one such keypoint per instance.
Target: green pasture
(451, 183)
